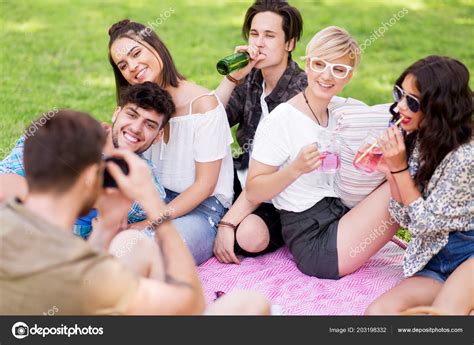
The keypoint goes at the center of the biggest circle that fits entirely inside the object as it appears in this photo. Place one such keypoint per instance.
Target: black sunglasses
(412, 102)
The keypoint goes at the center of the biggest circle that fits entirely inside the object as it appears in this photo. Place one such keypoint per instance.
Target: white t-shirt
(242, 173)
(278, 140)
(195, 138)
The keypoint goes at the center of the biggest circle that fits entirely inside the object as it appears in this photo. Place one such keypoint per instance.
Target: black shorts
(311, 237)
(269, 214)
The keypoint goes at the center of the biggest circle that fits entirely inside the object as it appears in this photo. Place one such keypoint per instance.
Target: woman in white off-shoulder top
(193, 158)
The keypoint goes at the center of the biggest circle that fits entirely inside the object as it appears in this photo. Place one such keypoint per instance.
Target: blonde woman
(318, 228)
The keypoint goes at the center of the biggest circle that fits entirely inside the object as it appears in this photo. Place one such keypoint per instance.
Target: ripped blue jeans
(198, 228)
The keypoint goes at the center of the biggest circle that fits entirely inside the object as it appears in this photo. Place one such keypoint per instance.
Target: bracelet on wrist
(227, 224)
(399, 171)
(233, 80)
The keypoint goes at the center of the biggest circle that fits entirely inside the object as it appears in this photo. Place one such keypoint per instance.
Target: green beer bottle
(232, 63)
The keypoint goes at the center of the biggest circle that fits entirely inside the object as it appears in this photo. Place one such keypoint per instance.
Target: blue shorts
(460, 247)
(198, 228)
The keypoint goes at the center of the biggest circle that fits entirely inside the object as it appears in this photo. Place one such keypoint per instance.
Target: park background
(54, 53)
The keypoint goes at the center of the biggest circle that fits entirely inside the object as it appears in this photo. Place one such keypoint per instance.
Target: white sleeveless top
(195, 138)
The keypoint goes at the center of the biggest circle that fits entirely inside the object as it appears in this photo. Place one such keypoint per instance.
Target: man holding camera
(43, 265)
(138, 122)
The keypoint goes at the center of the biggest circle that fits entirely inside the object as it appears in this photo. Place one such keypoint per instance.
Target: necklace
(306, 99)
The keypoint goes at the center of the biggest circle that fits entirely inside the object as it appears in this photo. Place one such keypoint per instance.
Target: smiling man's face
(135, 128)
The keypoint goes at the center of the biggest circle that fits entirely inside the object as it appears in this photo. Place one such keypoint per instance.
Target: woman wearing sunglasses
(320, 231)
(193, 159)
(429, 166)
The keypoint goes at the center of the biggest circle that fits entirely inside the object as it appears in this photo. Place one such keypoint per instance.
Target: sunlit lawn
(54, 53)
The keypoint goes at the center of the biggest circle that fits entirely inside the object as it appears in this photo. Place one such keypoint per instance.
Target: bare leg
(139, 253)
(252, 234)
(409, 293)
(457, 294)
(240, 303)
(364, 230)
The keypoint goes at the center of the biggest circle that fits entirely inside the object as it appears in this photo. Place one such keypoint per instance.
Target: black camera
(109, 181)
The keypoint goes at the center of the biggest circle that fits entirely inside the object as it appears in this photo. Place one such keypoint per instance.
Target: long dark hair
(141, 33)
(446, 102)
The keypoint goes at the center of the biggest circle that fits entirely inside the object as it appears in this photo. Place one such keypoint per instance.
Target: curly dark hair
(446, 102)
(149, 96)
(143, 34)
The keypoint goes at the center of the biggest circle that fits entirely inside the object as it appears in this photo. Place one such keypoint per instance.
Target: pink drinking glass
(370, 161)
(330, 152)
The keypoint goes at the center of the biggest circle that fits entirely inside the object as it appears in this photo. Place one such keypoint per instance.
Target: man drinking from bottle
(271, 77)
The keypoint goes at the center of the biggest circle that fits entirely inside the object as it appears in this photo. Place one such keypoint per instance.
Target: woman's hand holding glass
(393, 149)
(308, 160)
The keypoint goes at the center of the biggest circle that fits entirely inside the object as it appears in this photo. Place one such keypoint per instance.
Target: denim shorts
(198, 228)
(460, 247)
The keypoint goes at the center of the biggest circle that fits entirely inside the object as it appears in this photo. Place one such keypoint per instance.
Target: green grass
(54, 53)
(404, 234)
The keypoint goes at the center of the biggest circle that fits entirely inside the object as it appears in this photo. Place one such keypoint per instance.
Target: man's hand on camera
(138, 184)
(112, 208)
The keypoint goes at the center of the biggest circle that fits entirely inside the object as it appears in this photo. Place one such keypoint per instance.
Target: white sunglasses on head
(339, 71)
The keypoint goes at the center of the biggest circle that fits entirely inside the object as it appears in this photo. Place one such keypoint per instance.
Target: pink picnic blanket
(276, 276)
